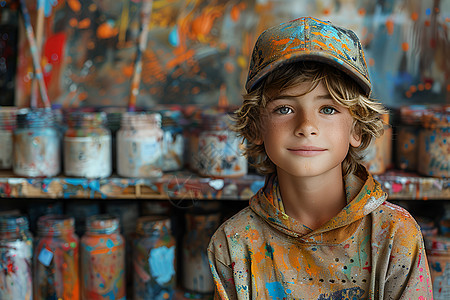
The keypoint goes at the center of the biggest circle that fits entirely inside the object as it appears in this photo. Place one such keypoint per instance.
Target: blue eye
(284, 110)
(328, 110)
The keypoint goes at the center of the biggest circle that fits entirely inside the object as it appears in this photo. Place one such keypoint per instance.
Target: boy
(320, 228)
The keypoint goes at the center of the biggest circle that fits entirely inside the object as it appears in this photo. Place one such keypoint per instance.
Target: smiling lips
(307, 151)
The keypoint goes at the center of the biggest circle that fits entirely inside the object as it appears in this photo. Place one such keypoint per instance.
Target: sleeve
(222, 273)
(408, 275)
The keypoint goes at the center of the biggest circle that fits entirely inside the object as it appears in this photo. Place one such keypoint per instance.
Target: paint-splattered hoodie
(371, 250)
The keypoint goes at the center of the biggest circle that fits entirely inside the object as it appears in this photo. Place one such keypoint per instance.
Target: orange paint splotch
(362, 11)
(128, 70)
(236, 10)
(74, 5)
(371, 62)
(106, 31)
(414, 16)
(326, 11)
(420, 86)
(427, 23)
(428, 86)
(390, 26)
(229, 67)
(73, 22)
(413, 88)
(405, 46)
(85, 23)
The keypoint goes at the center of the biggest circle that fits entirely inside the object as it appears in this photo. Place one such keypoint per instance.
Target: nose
(306, 125)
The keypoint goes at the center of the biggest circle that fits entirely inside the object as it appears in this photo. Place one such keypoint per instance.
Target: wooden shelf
(188, 186)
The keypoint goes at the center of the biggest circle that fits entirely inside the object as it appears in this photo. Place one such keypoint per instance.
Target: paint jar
(220, 149)
(7, 126)
(16, 252)
(37, 144)
(154, 261)
(197, 276)
(378, 155)
(438, 255)
(87, 145)
(56, 265)
(192, 134)
(103, 259)
(434, 144)
(407, 142)
(173, 140)
(139, 145)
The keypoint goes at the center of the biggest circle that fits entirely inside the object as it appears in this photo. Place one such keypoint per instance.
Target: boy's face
(308, 134)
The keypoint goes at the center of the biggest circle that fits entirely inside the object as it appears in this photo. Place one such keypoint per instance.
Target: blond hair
(366, 112)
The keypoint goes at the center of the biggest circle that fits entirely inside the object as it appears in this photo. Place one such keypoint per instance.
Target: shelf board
(188, 186)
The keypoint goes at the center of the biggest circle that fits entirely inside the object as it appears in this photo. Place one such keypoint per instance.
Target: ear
(355, 139)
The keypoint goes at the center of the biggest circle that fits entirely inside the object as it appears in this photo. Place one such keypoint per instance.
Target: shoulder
(396, 220)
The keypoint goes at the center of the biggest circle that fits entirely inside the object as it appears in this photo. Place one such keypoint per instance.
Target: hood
(364, 195)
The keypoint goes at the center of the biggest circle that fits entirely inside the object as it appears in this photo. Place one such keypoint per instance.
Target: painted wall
(198, 50)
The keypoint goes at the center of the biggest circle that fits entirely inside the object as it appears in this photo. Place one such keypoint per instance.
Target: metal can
(103, 259)
(154, 260)
(16, 252)
(36, 144)
(56, 265)
(7, 126)
(87, 145)
(139, 145)
(434, 143)
(220, 149)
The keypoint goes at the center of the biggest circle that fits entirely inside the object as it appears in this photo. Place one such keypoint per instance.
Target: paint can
(16, 252)
(36, 144)
(154, 261)
(7, 126)
(434, 143)
(407, 141)
(56, 254)
(173, 140)
(87, 145)
(103, 259)
(139, 145)
(197, 276)
(378, 155)
(220, 149)
(438, 255)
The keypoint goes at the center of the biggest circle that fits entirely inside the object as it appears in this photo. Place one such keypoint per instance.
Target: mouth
(307, 151)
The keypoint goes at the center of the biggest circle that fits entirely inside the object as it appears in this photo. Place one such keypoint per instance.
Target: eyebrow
(294, 97)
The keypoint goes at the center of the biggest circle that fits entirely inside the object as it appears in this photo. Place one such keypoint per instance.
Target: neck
(313, 200)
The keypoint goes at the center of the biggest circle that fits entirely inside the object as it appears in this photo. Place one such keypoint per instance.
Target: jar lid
(153, 224)
(436, 118)
(412, 114)
(81, 118)
(13, 223)
(36, 117)
(55, 224)
(102, 224)
(141, 119)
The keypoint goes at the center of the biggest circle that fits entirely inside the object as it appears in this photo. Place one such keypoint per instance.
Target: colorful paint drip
(16, 252)
(36, 144)
(103, 259)
(220, 149)
(87, 146)
(56, 264)
(139, 145)
(153, 259)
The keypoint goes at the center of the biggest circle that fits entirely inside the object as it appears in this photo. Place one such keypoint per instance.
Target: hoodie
(371, 250)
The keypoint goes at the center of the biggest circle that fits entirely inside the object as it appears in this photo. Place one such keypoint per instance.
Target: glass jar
(173, 141)
(56, 254)
(16, 252)
(87, 145)
(434, 143)
(197, 276)
(102, 259)
(36, 144)
(7, 126)
(408, 137)
(154, 261)
(220, 149)
(378, 155)
(139, 145)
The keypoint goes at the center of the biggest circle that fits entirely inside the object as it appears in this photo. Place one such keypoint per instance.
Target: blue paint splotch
(276, 291)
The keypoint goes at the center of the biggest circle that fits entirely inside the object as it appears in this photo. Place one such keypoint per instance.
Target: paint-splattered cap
(308, 39)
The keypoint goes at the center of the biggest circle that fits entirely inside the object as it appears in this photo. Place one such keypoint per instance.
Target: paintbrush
(39, 36)
(34, 55)
(135, 82)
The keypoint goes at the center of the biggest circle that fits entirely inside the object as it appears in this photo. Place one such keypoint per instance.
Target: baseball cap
(308, 39)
